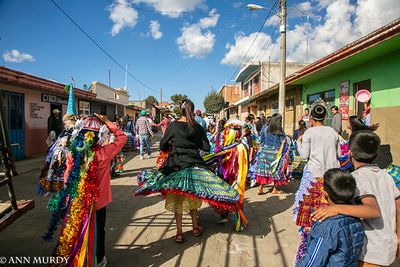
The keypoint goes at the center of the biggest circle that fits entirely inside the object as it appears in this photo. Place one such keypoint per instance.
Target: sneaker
(148, 156)
(103, 262)
(141, 157)
(253, 183)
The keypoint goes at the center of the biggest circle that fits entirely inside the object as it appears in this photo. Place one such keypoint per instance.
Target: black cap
(318, 112)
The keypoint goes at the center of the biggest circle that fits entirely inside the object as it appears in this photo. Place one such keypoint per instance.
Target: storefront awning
(247, 71)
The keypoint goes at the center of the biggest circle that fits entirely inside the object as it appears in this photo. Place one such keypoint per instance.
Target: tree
(151, 100)
(177, 101)
(214, 102)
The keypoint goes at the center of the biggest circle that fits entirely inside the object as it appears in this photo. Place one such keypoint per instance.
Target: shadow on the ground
(259, 214)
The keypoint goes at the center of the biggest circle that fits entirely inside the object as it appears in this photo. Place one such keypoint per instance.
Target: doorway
(13, 108)
(55, 106)
(359, 106)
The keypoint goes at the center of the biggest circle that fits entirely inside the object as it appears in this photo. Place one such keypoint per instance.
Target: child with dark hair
(339, 239)
(379, 202)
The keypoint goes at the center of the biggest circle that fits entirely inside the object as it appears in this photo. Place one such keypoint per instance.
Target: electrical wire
(255, 38)
(102, 49)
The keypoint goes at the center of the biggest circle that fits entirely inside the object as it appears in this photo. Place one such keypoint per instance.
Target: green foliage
(177, 101)
(214, 102)
(151, 100)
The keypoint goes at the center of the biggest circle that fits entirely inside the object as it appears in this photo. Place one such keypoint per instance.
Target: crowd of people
(347, 204)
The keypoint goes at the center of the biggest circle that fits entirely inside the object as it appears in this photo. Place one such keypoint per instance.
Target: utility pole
(283, 62)
(126, 77)
(109, 77)
(307, 31)
(161, 95)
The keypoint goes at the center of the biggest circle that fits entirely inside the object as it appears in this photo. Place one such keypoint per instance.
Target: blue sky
(191, 52)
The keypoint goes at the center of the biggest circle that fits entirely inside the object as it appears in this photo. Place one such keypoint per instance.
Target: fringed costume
(73, 206)
(230, 162)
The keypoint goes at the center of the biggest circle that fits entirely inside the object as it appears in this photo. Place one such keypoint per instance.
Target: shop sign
(344, 99)
(54, 99)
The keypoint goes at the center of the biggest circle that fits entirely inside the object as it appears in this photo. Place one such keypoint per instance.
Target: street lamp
(281, 103)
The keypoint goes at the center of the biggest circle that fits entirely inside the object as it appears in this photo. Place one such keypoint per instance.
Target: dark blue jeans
(145, 140)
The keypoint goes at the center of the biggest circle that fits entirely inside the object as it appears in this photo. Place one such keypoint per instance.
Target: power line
(194, 59)
(101, 48)
(268, 42)
(262, 52)
(248, 50)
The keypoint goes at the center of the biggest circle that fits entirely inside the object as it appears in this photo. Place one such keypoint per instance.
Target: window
(327, 96)
(84, 108)
(275, 108)
(290, 103)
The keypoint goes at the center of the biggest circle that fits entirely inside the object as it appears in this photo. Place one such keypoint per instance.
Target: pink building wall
(35, 128)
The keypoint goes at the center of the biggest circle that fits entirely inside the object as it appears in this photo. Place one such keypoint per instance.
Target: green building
(371, 63)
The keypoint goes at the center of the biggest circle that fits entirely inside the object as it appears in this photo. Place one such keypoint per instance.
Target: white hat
(56, 111)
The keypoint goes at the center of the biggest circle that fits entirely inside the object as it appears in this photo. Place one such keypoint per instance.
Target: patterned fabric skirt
(191, 182)
(394, 171)
(119, 162)
(309, 197)
(297, 166)
(272, 166)
(177, 203)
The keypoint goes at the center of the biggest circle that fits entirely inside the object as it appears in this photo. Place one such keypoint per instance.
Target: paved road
(139, 232)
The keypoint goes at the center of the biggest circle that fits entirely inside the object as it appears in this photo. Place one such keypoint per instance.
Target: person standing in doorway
(143, 129)
(54, 122)
(336, 119)
(306, 117)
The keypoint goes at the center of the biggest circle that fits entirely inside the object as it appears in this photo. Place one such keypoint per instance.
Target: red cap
(198, 112)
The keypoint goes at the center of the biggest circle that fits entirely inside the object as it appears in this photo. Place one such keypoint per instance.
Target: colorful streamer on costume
(230, 162)
(74, 204)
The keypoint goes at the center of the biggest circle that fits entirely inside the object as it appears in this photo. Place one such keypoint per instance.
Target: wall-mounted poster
(344, 99)
(344, 88)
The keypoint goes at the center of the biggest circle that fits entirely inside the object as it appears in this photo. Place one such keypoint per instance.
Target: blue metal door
(14, 109)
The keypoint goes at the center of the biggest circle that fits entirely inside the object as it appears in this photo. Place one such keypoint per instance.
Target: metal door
(14, 115)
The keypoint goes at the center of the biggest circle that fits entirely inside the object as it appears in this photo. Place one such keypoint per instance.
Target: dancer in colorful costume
(230, 162)
(51, 177)
(273, 159)
(298, 164)
(184, 177)
(81, 205)
(252, 143)
(320, 145)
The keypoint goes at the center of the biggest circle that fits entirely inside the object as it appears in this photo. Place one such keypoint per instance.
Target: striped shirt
(143, 126)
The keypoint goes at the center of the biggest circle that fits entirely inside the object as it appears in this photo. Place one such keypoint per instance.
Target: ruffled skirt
(272, 165)
(193, 183)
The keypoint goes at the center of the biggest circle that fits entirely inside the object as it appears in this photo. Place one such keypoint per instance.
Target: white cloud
(155, 30)
(171, 8)
(122, 15)
(17, 57)
(194, 41)
(342, 23)
(372, 14)
(210, 21)
(242, 43)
